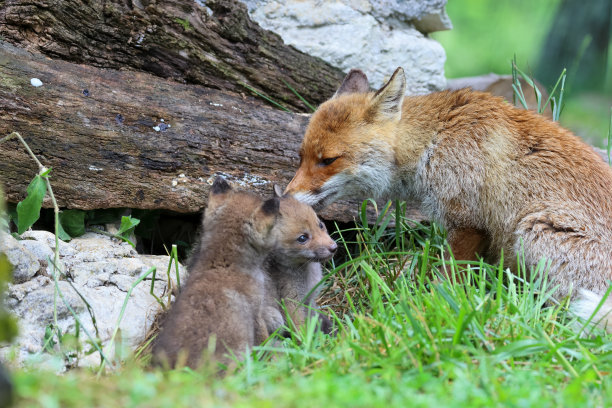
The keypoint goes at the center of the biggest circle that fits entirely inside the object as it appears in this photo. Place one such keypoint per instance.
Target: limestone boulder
(376, 36)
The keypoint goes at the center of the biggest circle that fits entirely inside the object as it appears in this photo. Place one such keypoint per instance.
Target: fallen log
(130, 139)
(212, 43)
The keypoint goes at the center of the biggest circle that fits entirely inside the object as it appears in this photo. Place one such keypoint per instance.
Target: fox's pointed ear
(354, 82)
(387, 101)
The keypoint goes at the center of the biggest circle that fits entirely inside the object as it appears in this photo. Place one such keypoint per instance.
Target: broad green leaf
(73, 222)
(127, 224)
(61, 234)
(28, 211)
(48, 341)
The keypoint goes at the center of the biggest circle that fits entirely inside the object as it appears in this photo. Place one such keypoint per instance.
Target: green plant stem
(108, 234)
(41, 170)
(55, 270)
(122, 312)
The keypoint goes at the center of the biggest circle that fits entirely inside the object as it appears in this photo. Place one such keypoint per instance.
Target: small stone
(25, 264)
(36, 82)
(86, 92)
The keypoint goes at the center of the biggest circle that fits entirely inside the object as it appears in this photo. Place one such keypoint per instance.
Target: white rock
(25, 263)
(39, 249)
(426, 15)
(49, 239)
(36, 82)
(376, 36)
(103, 270)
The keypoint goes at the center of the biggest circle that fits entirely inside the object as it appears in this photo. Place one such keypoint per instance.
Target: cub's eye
(328, 161)
(321, 225)
(302, 239)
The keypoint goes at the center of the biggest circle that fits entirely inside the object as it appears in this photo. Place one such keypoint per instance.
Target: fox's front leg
(467, 243)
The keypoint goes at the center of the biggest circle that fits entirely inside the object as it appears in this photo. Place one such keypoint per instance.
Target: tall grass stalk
(556, 105)
(56, 271)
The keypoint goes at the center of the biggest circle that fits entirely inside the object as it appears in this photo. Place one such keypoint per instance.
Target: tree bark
(130, 139)
(216, 44)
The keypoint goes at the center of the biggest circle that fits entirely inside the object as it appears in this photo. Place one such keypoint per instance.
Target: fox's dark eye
(321, 225)
(328, 161)
(302, 239)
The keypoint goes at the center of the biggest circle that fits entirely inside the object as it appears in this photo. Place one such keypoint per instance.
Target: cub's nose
(332, 248)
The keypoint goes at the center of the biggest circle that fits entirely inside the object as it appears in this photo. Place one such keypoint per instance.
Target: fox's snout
(326, 252)
(305, 181)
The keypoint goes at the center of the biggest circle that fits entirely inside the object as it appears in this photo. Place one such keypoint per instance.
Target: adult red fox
(496, 177)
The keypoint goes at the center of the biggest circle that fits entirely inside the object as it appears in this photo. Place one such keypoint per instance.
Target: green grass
(588, 115)
(407, 336)
(486, 34)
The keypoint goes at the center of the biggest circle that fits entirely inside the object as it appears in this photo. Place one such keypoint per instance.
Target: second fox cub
(497, 177)
(294, 267)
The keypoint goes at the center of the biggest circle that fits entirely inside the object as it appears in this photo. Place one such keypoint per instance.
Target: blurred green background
(546, 36)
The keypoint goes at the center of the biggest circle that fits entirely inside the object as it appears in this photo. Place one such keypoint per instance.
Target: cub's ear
(220, 186)
(278, 191)
(262, 221)
(387, 101)
(354, 82)
(271, 206)
(217, 194)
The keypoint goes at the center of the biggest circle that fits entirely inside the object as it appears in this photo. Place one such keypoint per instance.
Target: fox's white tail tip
(586, 304)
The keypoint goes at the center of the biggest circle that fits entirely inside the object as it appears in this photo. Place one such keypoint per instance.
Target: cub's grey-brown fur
(294, 267)
(253, 257)
(222, 300)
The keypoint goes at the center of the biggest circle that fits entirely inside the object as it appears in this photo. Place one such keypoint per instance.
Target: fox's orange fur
(496, 177)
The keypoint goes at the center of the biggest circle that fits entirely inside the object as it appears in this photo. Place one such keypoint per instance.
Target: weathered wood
(216, 44)
(95, 128)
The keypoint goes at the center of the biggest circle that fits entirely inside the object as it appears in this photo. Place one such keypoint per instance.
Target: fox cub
(252, 255)
(496, 177)
(223, 299)
(294, 267)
